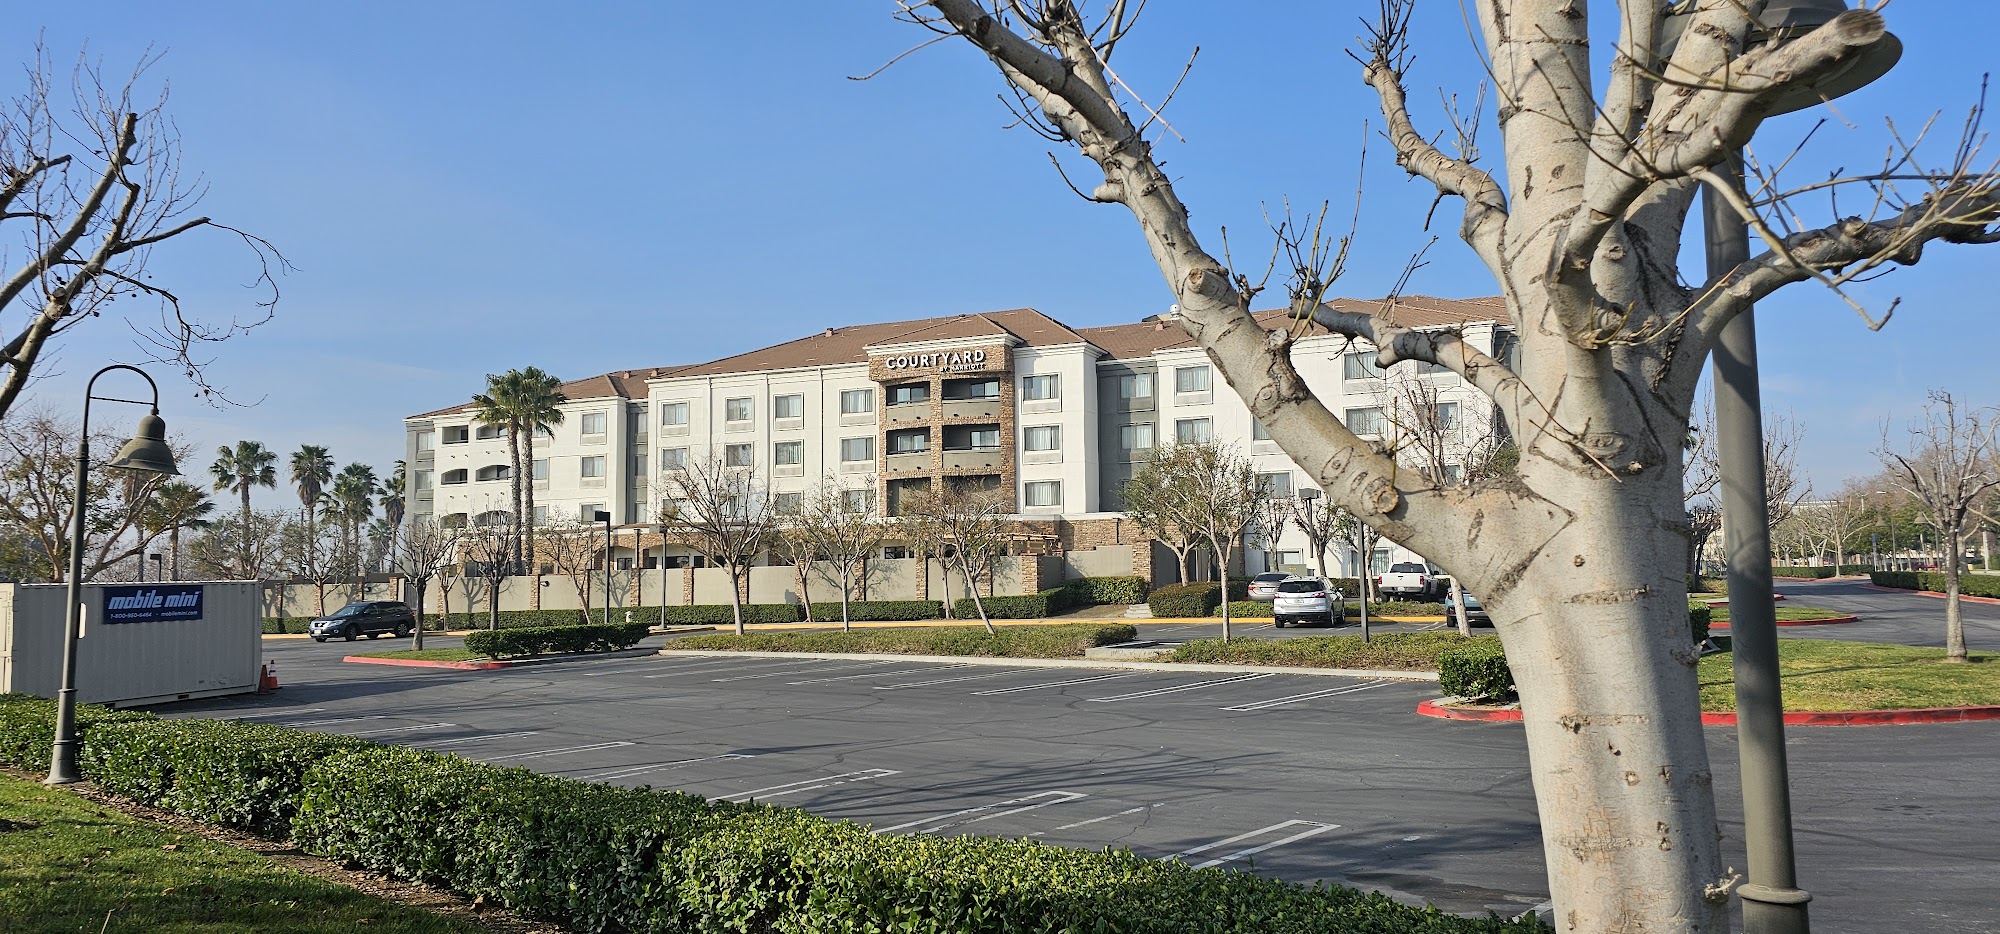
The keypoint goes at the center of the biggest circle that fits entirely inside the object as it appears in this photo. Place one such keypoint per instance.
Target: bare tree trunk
(972, 587)
(736, 595)
(1225, 595)
(1458, 607)
(1954, 619)
(418, 642)
(492, 605)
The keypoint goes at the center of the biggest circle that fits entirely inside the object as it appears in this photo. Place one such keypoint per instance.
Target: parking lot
(1295, 776)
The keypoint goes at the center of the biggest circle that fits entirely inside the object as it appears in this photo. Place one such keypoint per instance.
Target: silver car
(1265, 586)
(1306, 599)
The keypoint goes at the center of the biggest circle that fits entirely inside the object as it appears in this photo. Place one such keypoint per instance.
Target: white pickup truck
(1410, 579)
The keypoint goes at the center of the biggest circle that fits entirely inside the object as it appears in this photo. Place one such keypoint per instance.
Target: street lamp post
(605, 518)
(1772, 901)
(147, 452)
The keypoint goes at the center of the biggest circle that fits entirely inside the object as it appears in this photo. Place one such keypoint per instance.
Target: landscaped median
(1788, 616)
(1825, 682)
(596, 857)
(491, 648)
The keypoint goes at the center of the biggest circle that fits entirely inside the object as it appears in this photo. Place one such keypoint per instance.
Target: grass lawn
(68, 865)
(429, 655)
(1822, 674)
(1720, 614)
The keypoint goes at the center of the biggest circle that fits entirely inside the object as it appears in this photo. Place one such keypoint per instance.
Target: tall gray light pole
(1772, 901)
(605, 518)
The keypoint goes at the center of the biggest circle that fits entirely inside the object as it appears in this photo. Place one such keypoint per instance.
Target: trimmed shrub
(28, 729)
(1476, 669)
(1707, 585)
(719, 614)
(1176, 601)
(1411, 651)
(1067, 640)
(1847, 569)
(1053, 602)
(1807, 573)
(294, 625)
(1094, 591)
(1975, 585)
(595, 637)
(1405, 608)
(1698, 617)
(827, 611)
(1245, 609)
(245, 775)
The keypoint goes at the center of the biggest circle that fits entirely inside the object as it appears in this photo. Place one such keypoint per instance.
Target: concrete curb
(1063, 663)
(1918, 715)
(1990, 601)
(527, 662)
(1829, 621)
(1724, 601)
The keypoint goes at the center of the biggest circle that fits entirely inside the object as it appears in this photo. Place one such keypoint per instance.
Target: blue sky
(469, 187)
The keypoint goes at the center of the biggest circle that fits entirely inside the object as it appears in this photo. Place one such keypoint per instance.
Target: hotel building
(1060, 417)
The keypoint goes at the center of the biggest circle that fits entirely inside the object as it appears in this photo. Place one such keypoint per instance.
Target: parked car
(1265, 586)
(1306, 599)
(369, 618)
(1475, 615)
(1408, 579)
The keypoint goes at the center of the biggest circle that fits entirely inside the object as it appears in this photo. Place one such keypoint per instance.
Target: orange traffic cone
(267, 679)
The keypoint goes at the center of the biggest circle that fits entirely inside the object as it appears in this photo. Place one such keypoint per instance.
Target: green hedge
(719, 614)
(878, 610)
(1200, 598)
(1847, 569)
(1052, 602)
(1809, 573)
(595, 637)
(1094, 591)
(244, 775)
(1707, 585)
(1240, 609)
(28, 728)
(1067, 640)
(1411, 651)
(1974, 585)
(1698, 618)
(1477, 669)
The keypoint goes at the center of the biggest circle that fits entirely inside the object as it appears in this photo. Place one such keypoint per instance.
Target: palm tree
(312, 470)
(538, 408)
(495, 407)
(175, 506)
(240, 468)
(393, 504)
(352, 497)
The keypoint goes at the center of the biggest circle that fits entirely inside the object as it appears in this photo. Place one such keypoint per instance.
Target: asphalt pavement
(1298, 777)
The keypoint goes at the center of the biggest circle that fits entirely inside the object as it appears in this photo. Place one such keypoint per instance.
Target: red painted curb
(1728, 718)
(421, 663)
(1932, 593)
(1829, 621)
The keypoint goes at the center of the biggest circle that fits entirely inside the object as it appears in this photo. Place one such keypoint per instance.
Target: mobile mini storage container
(142, 643)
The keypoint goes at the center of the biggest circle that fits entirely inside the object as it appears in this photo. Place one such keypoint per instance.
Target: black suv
(369, 618)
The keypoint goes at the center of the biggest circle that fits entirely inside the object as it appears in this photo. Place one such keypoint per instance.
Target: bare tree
(831, 527)
(306, 550)
(228, 549)
(1317, 522)
(427, 546)
(724, 513)
(1830, 524)
(1159, 500)
(1702, 480)
(88, 187)
(573, 549)
(1581, 231)
(1270, 514)
(489, 554)
(971, 525)
(1224, 492)
(1948, 465)
(123, 513)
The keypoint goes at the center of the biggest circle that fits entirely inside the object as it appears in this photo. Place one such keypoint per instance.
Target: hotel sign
(952, 361)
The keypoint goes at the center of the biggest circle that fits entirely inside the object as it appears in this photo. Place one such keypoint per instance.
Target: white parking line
(918, 684)
(1100, 820)
(1056, 797)
(799, 671)
(269, 713)
(872, 674)
(401, 729)
(297, 723)
(810, 784)
(664, 766)
(566, 750)
(1313, 828)
(468, 740)
(1175, 690)
(1048, 684)
(733, 665)
(1295, 698)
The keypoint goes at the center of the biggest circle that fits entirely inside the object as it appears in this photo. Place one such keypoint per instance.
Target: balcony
(965, 458)
(906, 412)
(972, 408)
(907, 463)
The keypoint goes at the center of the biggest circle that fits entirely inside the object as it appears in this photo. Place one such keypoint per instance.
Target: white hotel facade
(1014, 400)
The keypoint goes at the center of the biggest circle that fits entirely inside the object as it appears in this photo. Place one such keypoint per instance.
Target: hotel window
(976, 439)
(589, 511)
(857, 449)
(1368, 421)
(1274, 485)
(457, 434)
(455, 520)
(1135, 386)
(1257, 432)
(452, 477)
(860, 502)
(541, 468)
(639, 467)
(673, 459)
(786, 453)
(1135, 437)
(593, 466)
(673, 413)
(909, 442)
(493, 472)
(1040, 388)
(857, 401)
(1191, 379)
(912, 394)
(1192, 429)
(786, 504)
(738, 455)
(544, 433)
(1042, 438)
(486, 432)
(541, 515)
(962, 390)
(593, 423)
(793, 406)
(739, 410)
(1447, 416)
(1044, 493)
(425, 439)
(421, 480)
(1360, 366)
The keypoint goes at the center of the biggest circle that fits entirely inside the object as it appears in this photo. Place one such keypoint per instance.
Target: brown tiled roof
(624, 384)
(1143, 338)
(848, 344)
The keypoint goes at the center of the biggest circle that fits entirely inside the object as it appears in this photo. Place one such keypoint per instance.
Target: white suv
(1301, 599)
